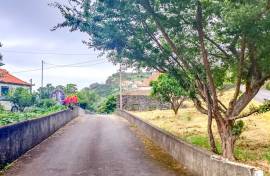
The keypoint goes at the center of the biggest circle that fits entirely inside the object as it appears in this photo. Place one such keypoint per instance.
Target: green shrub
(88, 99)
(108, 105)
(35, 112)
(22, 98)
(46, 103)
(2, 108)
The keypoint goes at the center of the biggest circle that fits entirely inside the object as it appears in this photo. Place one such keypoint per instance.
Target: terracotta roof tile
(6, 77)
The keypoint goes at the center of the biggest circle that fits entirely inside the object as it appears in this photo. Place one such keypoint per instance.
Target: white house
(9, 82)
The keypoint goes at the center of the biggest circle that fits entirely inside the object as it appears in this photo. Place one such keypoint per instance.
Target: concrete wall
(16, 139)
(196, 160)
(142, 103)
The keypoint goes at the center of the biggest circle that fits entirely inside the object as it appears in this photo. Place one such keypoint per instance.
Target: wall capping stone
(197, 160)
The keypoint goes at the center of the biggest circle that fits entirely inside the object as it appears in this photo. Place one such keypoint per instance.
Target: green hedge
(35, 112)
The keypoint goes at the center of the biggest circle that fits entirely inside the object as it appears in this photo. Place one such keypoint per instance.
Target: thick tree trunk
(228, 147)
(227, 138)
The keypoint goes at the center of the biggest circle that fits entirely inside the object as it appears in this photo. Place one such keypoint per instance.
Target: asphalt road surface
(90, 145)
(261, 96)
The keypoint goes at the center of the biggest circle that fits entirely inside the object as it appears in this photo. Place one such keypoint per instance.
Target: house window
(4, 90)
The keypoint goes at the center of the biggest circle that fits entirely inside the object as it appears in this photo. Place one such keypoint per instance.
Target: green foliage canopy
(108, 105)
(71, 89)
(45, 92)
(88, 99)
(166, 88)
(22, 98)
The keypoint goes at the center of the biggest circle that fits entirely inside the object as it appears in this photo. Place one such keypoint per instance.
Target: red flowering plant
(71, 101)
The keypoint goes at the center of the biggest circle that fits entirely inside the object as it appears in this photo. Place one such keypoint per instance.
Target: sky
(27, 40)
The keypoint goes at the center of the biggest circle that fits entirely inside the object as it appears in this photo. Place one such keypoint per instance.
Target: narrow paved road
(261, 96)
(90, 146)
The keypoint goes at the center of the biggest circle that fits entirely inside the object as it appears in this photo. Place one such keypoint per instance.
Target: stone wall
(142, 103)
(16, 139)
(198, 161)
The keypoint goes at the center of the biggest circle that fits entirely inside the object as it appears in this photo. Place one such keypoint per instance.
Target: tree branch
(217, 45)
(204, 52)
(198, 106)
(245, 114)
(239, 77)
(232, 46)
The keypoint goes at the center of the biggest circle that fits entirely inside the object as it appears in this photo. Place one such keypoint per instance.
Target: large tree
(200, 43)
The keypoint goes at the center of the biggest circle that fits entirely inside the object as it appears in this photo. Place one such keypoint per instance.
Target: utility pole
(31, 87)
(120, 86)
(42, 72)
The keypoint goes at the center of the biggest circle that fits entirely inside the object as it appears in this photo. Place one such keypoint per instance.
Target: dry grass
(253, 147)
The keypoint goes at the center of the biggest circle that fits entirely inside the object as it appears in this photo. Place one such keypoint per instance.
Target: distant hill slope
(111, 85)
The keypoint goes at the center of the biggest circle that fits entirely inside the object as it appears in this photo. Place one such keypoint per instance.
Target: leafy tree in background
(60, 87)
(108, 105)
(45, 92)
(22, 98)
(202, 44)
(167, 89)
(88, 99)
(71, 89)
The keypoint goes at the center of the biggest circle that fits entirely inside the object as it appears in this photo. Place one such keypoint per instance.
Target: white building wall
(12, 86)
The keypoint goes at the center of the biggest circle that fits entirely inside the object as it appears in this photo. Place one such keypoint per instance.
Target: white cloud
(11, 43)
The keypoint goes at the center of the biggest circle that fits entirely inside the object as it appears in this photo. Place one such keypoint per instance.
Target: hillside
(111, 85)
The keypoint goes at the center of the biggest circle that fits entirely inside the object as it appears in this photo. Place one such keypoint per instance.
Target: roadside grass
(253, 146)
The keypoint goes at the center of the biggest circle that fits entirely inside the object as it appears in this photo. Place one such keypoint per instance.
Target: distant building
(138, 97)
(8, 83)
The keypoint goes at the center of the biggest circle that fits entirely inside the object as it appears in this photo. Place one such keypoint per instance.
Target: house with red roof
(9, 82)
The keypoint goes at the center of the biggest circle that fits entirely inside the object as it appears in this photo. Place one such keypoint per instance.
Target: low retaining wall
(16, 139)
(198, 161)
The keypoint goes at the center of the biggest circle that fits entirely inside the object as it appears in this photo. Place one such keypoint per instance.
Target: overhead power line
(45, 53)
(79, 64)
(74, 64)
